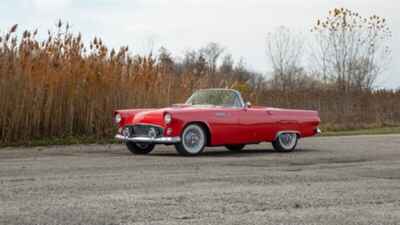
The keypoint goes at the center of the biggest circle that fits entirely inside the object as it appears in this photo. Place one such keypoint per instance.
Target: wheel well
(288, 132)
(205, 127)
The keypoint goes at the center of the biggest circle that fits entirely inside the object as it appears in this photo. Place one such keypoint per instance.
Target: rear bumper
(160, 140)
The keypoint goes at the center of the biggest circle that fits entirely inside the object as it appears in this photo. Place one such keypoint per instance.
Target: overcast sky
(240, 26)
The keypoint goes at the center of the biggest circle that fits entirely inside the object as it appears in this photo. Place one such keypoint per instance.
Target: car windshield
(223, 98)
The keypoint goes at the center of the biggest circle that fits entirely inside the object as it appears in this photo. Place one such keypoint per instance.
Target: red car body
(223, 126)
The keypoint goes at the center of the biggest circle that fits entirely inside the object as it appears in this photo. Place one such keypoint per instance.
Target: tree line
(60, 86)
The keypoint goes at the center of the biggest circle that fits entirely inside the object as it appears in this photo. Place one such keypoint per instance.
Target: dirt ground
(329, 180)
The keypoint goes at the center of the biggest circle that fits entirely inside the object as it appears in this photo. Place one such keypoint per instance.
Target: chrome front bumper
(160, 140)
(318, 131)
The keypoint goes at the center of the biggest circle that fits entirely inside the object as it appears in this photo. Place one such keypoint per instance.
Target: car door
(256, 125)
(225, 126)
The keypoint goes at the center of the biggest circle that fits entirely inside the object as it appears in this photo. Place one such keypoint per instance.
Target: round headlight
(118, 118)
(167, 118)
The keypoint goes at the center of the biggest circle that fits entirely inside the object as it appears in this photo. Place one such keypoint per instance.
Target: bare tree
(351, 49)
(227, 64)
(194, 62)
(165, 60)
(212, 51)
(241, 73)
(285, 51)
(166, 66)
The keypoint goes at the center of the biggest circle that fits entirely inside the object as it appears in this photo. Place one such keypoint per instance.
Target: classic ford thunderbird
(214, 117)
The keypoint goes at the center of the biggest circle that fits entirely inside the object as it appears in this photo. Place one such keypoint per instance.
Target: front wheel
(285, 142)
(235, 148)
(193, 140)
(140, 148)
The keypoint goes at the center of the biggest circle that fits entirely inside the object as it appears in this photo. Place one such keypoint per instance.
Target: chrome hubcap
(193, 139)
(287, 140)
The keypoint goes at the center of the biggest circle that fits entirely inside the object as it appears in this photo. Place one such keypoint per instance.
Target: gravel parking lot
(329, 180)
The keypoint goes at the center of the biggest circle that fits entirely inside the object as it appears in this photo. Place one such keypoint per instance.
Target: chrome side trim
(287, 131)
(160, 140)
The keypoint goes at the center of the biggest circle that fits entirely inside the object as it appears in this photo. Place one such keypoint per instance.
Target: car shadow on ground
(225, 153)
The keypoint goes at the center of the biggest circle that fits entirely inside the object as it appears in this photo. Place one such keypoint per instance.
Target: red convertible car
(214, 117)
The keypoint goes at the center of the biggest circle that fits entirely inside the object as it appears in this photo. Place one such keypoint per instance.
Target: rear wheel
(235, 148)
(140, 148)
(285, 142)
(193, 140)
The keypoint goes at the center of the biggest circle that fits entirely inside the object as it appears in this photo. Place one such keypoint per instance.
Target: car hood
(151, 116)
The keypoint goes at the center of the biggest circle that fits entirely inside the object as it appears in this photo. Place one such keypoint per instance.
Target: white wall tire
(193, 140)
(285, 142)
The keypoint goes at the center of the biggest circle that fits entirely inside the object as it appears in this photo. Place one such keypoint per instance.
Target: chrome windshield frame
(237, 94)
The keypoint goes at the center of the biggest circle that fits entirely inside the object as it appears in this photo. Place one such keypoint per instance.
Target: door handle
(220, 114)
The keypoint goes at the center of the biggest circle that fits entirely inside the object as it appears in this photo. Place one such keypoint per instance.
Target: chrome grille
(144, 131)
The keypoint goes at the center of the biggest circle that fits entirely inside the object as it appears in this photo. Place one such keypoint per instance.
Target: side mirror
(248, 104)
